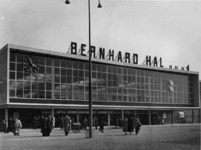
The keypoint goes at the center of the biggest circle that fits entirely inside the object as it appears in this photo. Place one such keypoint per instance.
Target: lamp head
(67, 2)
(99, 5)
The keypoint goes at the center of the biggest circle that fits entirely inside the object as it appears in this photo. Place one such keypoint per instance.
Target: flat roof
(108, 62)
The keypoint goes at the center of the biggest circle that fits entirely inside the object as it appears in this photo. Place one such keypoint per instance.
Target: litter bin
(87, 133)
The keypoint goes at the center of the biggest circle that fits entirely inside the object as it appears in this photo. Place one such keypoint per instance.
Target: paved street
(176, 137)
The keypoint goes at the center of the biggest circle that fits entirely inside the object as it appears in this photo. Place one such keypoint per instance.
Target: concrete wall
(3, 75)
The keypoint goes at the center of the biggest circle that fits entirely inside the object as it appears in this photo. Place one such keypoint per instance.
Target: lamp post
(90, 66)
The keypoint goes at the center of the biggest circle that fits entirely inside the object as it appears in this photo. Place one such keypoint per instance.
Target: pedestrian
(125, 125)
(96, 123)
(5, 124)
(116, 121)
(85, 123)
(39, 122)
(34, 123)
(49, 125)
(66, 124)
(137, 124)
(158, 120)
(120, 122)
(44, 125)
(53, 122)
(17, 126)
(130, 125)
(102, 124)
(61, 122)
(10, 125)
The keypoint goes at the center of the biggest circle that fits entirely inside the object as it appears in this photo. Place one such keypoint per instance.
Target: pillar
(122, 114)
(6, 116)
(108, 118)
(149, 115)
(172, 116)
(52, 111)
(78, 116)
(193, 120)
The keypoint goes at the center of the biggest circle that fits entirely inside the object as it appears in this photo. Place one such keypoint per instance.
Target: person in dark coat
(45, 126)
(125, 125)
(136, 124)
(35, 122)
(130, 125)
(116, 121)
(66, 124)
(85, 123)
(102, 124)
(10, 125)
(49, 125)
(96, 123)
(61, 122)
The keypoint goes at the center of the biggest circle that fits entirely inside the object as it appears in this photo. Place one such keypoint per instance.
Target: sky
(170, 30)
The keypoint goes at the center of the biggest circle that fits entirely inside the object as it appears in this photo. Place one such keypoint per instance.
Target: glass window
(75, 73)
(12, 66)
(41, 60)
(49, 70)
(81, 65)
(19, 75)
(57, 70)
(12, 57)
(69, 64)
(63, 72)
(75, 65)
(48, 94)
(69, 80)
(19, 67)
(81, 73)
(12, 75)
(63, 63)
(19, 58)
(57, 78)
(41, 69)
(94, 67)
(125, 71)
(48, 62)
(48, 86)
(57, 62)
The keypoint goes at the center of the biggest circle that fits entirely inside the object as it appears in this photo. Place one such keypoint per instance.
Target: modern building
(35, 82)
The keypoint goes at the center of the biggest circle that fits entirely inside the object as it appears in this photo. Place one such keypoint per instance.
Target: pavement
(158, 137)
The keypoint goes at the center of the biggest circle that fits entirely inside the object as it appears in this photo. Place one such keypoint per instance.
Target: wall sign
(119, 57)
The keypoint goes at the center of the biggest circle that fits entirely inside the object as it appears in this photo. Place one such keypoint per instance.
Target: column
(149, 114)
(108, 118)
(52, 111)
(172, 116)
(78, 116)
(193, 121)
(6, 116)
(122, 114)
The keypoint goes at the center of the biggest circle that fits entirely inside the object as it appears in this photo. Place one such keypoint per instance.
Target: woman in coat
(125, 125)
(17, 127)
(130, 125)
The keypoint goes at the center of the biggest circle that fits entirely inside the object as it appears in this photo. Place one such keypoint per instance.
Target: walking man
(96, 123)
(66, 124)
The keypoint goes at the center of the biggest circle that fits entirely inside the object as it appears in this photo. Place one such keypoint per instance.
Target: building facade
(35, 82)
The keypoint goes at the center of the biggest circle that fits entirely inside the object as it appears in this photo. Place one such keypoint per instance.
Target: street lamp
(90, 66)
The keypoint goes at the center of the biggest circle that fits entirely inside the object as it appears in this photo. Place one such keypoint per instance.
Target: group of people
(13, 125)
(130, 124)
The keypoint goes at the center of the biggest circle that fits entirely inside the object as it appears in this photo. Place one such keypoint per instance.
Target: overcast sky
(167, 29)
